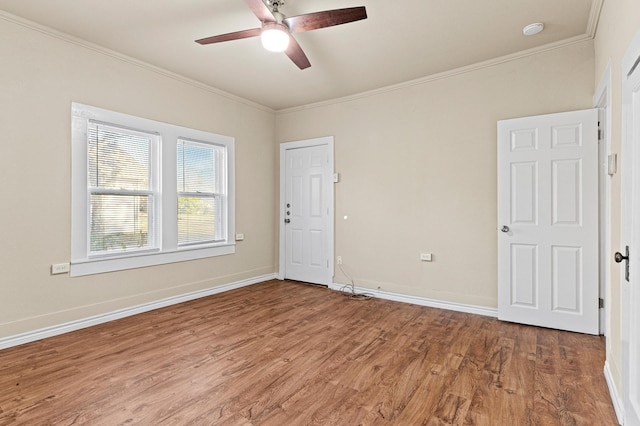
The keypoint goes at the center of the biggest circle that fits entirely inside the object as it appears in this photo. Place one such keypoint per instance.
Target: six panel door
(306, 216)
(548, 221)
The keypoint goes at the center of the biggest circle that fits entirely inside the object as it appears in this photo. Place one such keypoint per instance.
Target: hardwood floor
(283, 353)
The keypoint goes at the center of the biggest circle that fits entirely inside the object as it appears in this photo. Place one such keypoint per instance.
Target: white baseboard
(618, 407)
(32, 336)
(423, 301)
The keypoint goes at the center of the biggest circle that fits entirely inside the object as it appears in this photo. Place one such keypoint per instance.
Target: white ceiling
(400, 40)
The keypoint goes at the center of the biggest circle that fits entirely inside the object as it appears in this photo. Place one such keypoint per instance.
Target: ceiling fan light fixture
(275, 37)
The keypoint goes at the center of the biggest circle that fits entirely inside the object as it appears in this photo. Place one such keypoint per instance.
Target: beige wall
(619, 22)
(418, 170)
(40, 76)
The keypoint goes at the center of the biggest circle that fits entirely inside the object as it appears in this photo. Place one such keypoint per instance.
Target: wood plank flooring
(282, 353)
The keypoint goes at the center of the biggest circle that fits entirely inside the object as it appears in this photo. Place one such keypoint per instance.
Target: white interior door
(548, 221)
(308, 211)
(630, 289)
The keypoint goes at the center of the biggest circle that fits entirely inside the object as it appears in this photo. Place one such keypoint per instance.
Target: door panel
(524, 281)
(567, 281)
(524, 193)
(315, 195)
(548, 215)
(296, 246)
(316, 256)
(566, 185)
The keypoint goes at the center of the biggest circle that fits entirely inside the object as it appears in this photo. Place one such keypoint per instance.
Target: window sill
(110, 264)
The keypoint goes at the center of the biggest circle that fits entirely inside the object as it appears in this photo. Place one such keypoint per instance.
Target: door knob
(287, 220)
(619, 257)
(504, 228)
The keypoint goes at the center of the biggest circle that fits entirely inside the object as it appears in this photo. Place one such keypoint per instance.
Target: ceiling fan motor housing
(275, 4)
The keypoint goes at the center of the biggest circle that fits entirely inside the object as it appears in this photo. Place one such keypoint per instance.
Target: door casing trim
(602, 101)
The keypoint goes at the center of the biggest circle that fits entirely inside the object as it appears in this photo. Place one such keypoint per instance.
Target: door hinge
(601, 303)
(599, 134)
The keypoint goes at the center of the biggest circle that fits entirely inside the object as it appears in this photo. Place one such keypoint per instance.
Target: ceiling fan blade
(255, 32)
(296, 54)
(260, 10)
(328, 18)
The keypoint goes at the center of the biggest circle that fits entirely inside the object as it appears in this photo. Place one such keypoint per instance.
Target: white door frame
(602, 101)
(630, 181)
(307, 143)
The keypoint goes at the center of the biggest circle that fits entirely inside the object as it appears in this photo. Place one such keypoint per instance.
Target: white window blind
(121, 195)
(200, 202)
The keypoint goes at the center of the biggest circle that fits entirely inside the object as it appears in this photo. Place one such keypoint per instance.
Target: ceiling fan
(277, 28)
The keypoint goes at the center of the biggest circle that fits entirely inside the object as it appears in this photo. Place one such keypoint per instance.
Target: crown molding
(594, 17)
(445, 74)
(128, 59)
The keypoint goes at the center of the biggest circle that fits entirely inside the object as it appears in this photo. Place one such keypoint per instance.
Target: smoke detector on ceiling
(533, 29)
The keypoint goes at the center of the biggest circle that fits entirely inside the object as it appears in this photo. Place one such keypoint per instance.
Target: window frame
(153, 192)
(167, 249)
(218, 194)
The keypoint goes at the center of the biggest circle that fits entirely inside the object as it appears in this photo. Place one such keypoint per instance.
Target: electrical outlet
(60, 268)
(239, 237)
(339, 259)
(425, 257)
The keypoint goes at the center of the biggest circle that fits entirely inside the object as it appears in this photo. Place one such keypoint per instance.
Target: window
(146, 193)
(122, 189)
(200, 202)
